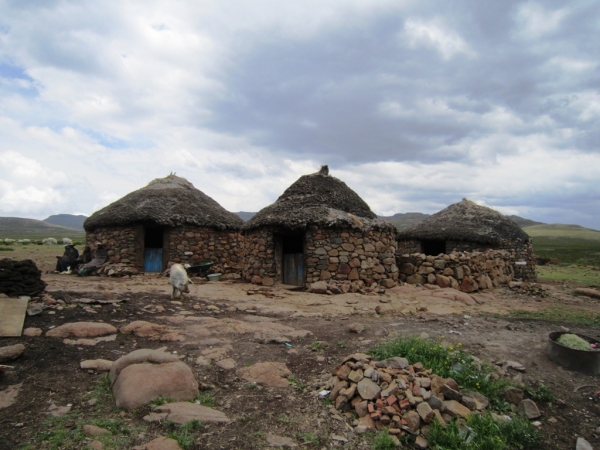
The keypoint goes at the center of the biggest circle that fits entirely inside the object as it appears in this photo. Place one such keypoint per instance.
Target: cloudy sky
(413, 104)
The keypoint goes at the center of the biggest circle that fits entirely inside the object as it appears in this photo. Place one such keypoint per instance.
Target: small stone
(356, 328)
(93, 430)
(32, 332)
(421, 443)
(11, 352)
(368, 389)
(455, 409)
(513, 395)
(582, 444)
(528, 408)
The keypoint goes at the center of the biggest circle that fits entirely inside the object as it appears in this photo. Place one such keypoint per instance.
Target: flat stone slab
(273, 374)
(82, 330)
(9, 395)
(152, 331)
(142, 355)
(280, 441)
(102, 365)
(185, 412)
(160, 443)
(12, 316)
(90, 342)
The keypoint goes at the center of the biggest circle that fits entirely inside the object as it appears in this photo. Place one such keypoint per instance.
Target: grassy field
(569, 244)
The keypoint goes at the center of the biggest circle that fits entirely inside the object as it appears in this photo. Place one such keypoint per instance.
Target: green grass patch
(186, 434)
(447, 362)
(578, 274)
(7, 249)
(560, 314)
(383, 441)
(483, 432)
(205, 399)
(568, 250)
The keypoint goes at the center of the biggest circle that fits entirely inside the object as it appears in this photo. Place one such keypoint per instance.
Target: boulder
(138, 384)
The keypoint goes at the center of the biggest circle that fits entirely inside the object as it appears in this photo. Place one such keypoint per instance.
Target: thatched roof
(169, 201)
(467, 222)
(318, 199)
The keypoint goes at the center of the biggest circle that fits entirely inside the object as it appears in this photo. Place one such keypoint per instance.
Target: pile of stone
(393, 394)
(332, 287)
(20, 278)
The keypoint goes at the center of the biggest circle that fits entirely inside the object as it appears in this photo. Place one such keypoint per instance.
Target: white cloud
(436, 35)
(535, 21)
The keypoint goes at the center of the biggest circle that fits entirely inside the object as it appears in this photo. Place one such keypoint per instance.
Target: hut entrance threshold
(293, 259)
(153, 249)
(433, 247)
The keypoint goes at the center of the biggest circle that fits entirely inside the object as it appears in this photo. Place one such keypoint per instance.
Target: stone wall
(338, 254)
(329, 254)
(120, 244)
(192, 245)
(467, 271)
(184, 244)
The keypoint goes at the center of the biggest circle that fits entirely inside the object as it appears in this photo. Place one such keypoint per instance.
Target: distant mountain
(245, 216)
(67, 220)
(405, 220)
(18, 228)
(524, 222)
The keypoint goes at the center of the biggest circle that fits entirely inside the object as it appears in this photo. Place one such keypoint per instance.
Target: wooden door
(293, 269)
(153, 260)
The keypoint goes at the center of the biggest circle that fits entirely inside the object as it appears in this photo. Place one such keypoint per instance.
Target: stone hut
(468, 227)
(169, 221)
(319, 229)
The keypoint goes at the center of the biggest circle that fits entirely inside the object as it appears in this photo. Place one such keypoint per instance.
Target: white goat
(179, 280)
(49, 241)
(66, 241)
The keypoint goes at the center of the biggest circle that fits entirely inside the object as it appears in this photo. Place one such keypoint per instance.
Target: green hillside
(18, 228)
(402, 221)
(569, 244)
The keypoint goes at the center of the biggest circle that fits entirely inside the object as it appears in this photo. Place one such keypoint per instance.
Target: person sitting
(100, 257)
(68, 261)
(86, 256)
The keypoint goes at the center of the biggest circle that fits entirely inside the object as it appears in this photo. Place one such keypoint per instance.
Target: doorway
(292, 246)
(153, 249)
(433, 247)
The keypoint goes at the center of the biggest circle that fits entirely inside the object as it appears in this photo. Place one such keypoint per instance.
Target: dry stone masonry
(20, 278)
(466, 271)
(340, 255)
(185, 244)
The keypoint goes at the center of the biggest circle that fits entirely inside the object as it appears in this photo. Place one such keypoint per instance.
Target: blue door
(153, 260)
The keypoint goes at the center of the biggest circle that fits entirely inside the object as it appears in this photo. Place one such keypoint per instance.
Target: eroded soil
(50, 372)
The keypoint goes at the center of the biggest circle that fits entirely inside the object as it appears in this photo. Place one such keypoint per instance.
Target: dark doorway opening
(153, 249)
(292, 246)
(433, 247)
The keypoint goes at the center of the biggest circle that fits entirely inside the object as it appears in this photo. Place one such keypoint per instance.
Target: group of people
(72, 262)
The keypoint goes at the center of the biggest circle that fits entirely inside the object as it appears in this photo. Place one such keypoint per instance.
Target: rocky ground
(260, 356)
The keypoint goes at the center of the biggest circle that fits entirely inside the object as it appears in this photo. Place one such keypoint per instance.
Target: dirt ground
(51, 375)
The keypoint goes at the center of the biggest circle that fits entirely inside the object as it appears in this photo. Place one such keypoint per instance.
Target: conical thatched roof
(468, 222)
(318, 199)
(169, 201)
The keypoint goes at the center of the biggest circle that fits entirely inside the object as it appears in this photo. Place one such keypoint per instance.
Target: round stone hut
(168, 221)
(468, 227)
(319, 230)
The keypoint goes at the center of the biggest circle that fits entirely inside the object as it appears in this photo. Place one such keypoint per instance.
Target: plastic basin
(583, 361)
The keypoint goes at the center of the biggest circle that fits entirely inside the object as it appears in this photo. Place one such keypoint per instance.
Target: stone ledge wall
(345, 254)
(119, 243)
(185, 244)
(191, 245)
(329, 254)
(466, 271)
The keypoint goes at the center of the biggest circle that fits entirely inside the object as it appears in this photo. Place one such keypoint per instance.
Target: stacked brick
(467, 271)
(20, 278)
(393, 394)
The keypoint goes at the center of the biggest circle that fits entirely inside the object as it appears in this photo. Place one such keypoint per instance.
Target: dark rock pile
(405, 398)
(20, 278)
